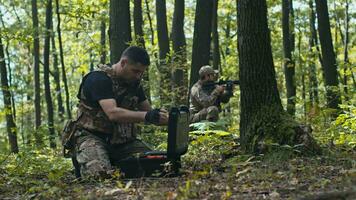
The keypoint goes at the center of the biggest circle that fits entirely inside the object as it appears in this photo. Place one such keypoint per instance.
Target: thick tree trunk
(201, 38)
(329, 61)
(138, 23)
(263, 120)
(289, 65)
(46, 74)
(163, 43)
(313, 81)
(10, 123)
(36, 69)
(64, 75)
(215, 36)
(180, 76)
(56, 76)
(120, 28)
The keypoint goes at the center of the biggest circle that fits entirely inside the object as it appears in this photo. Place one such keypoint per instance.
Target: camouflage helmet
(206, 69)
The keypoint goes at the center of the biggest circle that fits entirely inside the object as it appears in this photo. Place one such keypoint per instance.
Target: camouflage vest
(95, 120)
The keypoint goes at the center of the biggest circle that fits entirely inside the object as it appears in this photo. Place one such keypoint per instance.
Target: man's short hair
(137, 55)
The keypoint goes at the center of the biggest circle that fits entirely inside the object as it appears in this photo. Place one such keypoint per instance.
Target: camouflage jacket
(95, 120)
(200, 98)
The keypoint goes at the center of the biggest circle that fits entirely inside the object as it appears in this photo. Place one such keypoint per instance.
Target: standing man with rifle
(111, 101)
(206, 95)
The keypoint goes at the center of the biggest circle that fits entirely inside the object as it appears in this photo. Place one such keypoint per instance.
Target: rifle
(210, 86)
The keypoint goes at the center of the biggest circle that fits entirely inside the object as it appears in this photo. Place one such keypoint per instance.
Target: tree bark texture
(180, 75)
(262, 119)
(103, 42)
(64, 75)
(46, 74)
(57, 80)
(215, 36)
(163, 43)
(120, 28)
(289, 65)
(313, 81)
(138, 23)
(201, 38)
(10, 122)
(36, 68)
(328, 56)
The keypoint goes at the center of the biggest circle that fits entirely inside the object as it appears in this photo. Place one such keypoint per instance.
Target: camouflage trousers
(210, 113)
(95, 154)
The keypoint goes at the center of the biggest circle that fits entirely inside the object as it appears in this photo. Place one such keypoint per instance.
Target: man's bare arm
(118, 114)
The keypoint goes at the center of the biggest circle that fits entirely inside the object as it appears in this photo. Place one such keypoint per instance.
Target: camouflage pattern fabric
(95, 120)
(211, 114)
(202, 103)
(97, 157)
(100, 143)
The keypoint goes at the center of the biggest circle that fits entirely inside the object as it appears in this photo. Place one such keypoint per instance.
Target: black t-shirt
(98, 86)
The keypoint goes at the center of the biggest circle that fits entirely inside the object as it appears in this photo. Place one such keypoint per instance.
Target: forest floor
(213, 168)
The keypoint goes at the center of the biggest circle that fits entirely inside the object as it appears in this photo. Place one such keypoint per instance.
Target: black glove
(152, 116)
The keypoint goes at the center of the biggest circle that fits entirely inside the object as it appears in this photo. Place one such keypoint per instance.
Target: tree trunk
(36, 69)
(289, 65)
(163, 43)
(140, 41)
(57, 80)
(13, 105)
(120, 28)
(328, 56)
(215, 36)
(313, 81)
(10, 123)
(150, 22)
(64, 76)
(201, 38)
(346, 43)
(46, 74)
(103, 42)
(180, 76)
(138, 23)
(263, 120)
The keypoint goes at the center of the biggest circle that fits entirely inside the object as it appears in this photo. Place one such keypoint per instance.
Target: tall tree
(328, 56)
(57, 80)
(313, 81)
(46, 74)
(180, 75)
(140, 41)
(346, 45)
(103, 42)
(138, 23)
(215, 36)
(10, 123)
(163, 43)
(150, 22)
(36, 68)
(289, 65)
(120, 28)
(262, 118)
(64, 75)
(201, 38)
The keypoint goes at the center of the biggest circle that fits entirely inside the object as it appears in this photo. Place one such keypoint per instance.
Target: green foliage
(32, 171)
(343, 129)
